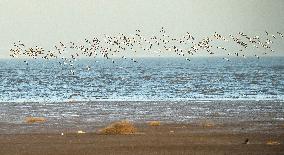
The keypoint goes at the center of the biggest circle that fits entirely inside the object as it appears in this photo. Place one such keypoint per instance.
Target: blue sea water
(150, 79)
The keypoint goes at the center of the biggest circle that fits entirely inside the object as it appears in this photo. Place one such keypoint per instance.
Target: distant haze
(46, 22)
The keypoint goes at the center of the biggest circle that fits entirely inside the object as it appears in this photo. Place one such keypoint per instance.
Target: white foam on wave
(143, 98)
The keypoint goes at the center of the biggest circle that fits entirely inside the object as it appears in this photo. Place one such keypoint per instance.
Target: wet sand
(200, 137)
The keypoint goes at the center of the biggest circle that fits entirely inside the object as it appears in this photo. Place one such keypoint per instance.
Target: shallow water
(177, 111)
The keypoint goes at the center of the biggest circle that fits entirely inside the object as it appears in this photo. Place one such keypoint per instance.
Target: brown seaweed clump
(272, 142)
(35, 120)
(119, 128)
(154, 123)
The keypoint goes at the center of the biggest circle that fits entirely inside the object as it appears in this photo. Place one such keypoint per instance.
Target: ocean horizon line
(152, 57)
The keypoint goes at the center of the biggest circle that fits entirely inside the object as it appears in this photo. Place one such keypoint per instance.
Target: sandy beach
(192, 138)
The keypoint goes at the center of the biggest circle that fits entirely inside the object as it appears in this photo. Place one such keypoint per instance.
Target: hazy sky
(46, 22)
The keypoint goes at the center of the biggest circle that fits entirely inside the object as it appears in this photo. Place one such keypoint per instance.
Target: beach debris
(119, 128)
(272, 142)
(154, 123)
(62, 134)
(80, 132)
(246, 141)
(208, 124)
(171, 131)
(35, 120)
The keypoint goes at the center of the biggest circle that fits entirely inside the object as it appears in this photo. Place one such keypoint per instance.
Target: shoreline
(197, 100)
(94, 127)
(91, 115)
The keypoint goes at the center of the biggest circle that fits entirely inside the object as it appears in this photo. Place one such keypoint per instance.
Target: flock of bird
(162, 44)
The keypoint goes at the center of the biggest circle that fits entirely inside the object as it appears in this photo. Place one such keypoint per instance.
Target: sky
(46, 22)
